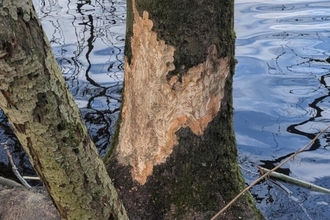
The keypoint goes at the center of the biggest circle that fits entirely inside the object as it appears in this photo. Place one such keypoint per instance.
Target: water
(281, 99)
(88, 40)
(281, 88)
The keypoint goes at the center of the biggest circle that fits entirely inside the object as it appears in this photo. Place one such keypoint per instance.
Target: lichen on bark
(47, 122)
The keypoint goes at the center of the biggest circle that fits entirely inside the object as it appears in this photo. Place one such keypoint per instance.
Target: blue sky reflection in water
(88, 41)
(281, 87)
(281, 99)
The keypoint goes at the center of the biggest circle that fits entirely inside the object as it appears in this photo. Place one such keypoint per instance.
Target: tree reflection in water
(281, 88)
(281, 98)
(88, 40)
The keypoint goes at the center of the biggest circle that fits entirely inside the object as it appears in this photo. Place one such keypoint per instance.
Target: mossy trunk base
(199, 178)
(175, 155)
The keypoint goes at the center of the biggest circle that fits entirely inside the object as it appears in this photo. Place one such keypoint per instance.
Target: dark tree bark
(46, 120)
(174, 155)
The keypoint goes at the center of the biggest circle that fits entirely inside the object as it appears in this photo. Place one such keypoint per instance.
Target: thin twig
(14, 168)
(289, 192)
(294, 199)
(31, 177)
(267, 173)
(300, 203)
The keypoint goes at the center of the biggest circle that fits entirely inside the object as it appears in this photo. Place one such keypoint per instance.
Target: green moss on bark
(47, 121)
(199, 178)
(201, 175)
(191, 26)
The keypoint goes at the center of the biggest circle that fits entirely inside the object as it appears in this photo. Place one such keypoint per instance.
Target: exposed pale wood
(154, 107)
(175, 156)
(31, 177)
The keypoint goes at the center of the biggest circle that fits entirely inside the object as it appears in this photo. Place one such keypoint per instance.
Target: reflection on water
(88, 40)
(281, 87)
(281, 98)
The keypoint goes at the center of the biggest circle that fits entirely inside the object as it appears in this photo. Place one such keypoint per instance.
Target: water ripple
(282, 96)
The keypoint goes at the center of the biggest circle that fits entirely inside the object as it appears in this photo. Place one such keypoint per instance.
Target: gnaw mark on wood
(154, 108)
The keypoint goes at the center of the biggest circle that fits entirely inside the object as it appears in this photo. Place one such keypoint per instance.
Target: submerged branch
(294, 180)
(14, 168)
(268, 173)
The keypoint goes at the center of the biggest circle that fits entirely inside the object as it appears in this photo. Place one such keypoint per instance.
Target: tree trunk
(174, 154)
(46, 120)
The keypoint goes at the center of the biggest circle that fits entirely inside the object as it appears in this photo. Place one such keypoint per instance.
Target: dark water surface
(281, 92)
(88, 40)
(281, 88)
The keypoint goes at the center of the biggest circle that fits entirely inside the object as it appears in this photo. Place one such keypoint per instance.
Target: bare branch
(14, 168)
(268, 173)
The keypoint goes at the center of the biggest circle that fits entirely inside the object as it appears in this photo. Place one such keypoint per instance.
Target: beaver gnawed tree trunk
(46, 120)
(174, 154)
